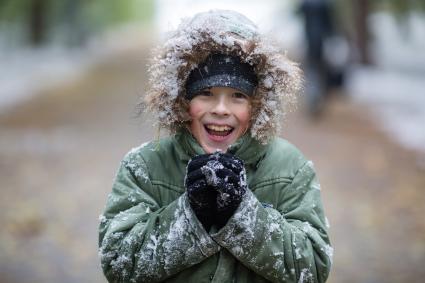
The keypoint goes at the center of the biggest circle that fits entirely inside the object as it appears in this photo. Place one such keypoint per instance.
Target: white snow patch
(305, 276)
(394, 87)
(138, 148)
(327, 223)
(119, 265)
(135, 166)
(307, 228)
(397, 102)
(268, 82)
(153, 244)
(102, 219)
(244, 218)
(210, 172)
(316, 186)
(297, 252)
(329, 251)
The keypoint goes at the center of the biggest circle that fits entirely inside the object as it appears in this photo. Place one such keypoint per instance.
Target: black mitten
(202, 197)
(226, 173)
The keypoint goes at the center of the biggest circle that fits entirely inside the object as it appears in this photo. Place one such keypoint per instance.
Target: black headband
(220, 70)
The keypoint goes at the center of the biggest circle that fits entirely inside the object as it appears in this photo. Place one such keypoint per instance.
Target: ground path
(59, 153)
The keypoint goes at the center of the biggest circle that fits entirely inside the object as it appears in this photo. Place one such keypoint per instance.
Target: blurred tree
(352, 19)
(10, 10)
(37, 21)
(74, 20)
(402, 10)
(362, 12)
(399, 7)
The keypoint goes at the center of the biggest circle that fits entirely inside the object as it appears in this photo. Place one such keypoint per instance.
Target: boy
(222, 199)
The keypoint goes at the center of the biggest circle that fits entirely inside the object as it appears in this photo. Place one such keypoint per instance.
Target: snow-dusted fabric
(220, 70)
(148, 232)
(226, 32)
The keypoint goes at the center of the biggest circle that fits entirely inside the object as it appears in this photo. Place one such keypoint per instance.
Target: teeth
(218, 128)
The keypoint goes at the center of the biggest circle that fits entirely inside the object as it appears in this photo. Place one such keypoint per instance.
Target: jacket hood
(228, 32)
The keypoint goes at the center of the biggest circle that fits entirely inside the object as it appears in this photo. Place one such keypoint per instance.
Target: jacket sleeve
(286, 244)
(140, 241)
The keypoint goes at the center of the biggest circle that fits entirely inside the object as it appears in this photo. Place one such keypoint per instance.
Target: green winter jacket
(148, 232)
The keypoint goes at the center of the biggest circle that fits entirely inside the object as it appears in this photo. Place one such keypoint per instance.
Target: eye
(205, 93)
(240, 95)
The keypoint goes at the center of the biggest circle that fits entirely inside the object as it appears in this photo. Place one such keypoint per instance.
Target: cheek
(244, 116)
(195, 110)
(195, 113)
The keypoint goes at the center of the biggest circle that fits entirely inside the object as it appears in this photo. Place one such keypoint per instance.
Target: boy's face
(220, 115)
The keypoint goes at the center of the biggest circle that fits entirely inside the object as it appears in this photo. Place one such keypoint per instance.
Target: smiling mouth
(218, 130)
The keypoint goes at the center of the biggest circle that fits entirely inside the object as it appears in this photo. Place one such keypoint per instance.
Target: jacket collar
(246, 147)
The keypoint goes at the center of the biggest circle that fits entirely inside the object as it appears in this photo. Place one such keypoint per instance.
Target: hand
(202, 197)
(226, 173)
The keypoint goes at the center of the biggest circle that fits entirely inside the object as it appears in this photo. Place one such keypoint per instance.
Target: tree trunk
(37, 21)
(362, 12)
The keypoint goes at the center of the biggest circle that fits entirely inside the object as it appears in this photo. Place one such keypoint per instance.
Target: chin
(211, 146)
(212, 149)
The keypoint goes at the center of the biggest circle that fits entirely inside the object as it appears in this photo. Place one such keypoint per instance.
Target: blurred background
(71, 73)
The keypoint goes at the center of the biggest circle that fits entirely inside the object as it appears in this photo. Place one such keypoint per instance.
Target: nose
(221, 106)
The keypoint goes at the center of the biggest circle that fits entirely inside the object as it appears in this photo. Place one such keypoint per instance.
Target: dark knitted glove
(226, 173)
(202, 197)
